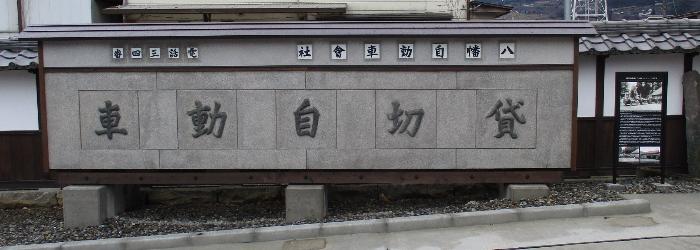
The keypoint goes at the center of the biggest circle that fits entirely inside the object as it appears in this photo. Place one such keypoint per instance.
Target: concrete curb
(42, 197)
(353, 227)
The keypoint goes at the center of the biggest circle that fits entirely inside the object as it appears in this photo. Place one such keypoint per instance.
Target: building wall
(671, 63)
(353, 132)
(38, 12)
(596, 135)
(355, 7)
(696, 63)
(8, 16)
(586, 86)
(19, 103)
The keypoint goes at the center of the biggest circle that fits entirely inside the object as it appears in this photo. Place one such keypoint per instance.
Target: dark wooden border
(20, 16)
(574, 108)
(600, 85)
(32, 184)
(41, 73)
(20, 132)
(194, 177)
(688, 61)
(400, 68)
(326, 10)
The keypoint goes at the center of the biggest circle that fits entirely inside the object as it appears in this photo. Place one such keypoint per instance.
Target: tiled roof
(18, 55)
(645, 36)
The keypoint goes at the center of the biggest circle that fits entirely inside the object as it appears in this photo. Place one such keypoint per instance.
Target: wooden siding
(20, 156)
(596, 146)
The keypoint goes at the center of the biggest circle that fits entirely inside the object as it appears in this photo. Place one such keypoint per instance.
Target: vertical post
(616, 115)
(124, 16)
(574, 107)
(43, 128)
(664, 107)
(469, 10)
(688, 61)
(690, 159)
(599, 103)
(567, 9)
(20, 16)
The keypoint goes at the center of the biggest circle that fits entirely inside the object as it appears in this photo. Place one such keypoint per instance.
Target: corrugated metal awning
(311, 29)
(637, 37)
(228, 8)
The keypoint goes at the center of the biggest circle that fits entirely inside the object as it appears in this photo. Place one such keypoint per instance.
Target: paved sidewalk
(670, 243)
(673, 215)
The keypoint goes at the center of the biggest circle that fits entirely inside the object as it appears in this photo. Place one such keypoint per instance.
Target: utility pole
(591, 10)
(664, 8)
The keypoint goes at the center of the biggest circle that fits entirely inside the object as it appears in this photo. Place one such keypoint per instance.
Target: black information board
(640, 128)
(640, 108)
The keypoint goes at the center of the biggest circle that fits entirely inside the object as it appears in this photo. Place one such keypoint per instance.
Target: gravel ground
(680, 184)
(44, 225)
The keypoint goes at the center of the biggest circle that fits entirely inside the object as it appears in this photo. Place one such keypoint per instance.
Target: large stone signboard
(330, 102)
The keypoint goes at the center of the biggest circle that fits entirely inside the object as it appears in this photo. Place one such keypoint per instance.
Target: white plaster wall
(57, 12)
(586, 86)
(8, 16)
(671, 63)
(18, 104)
(354, 6)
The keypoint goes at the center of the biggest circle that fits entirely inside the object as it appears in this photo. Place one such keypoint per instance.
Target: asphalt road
(673, 224)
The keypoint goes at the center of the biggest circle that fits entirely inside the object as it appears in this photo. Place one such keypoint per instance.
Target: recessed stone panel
(201, 134)
(109, 120)
(554, 92)
(321, 103)
(356, 128)
(456, 123)
(406, 119)
(158, 119)
(256, 119)
(506, 118)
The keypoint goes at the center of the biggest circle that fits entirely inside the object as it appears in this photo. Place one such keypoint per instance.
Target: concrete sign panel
(405, 103)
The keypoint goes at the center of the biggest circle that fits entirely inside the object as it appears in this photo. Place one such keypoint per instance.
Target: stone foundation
(305, 202)
(92, 205)
(526, 191)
